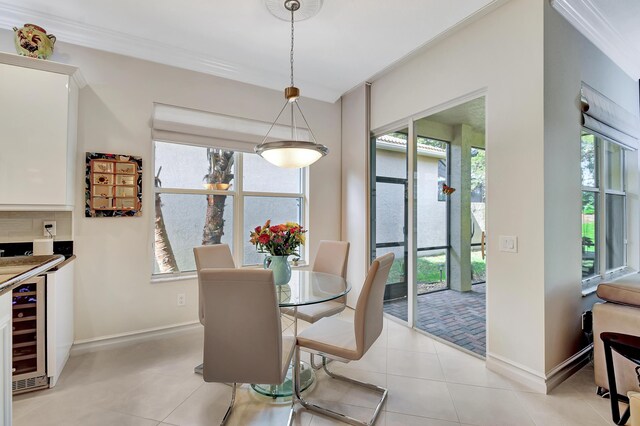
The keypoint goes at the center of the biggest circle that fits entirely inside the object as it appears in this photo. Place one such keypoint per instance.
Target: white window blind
(195, 127)
(609, 119)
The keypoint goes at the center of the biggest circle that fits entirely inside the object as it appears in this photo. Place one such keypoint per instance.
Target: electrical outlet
(51, 230)
(182, 299)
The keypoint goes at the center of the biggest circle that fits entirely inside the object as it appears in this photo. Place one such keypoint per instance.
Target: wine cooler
(28, 323)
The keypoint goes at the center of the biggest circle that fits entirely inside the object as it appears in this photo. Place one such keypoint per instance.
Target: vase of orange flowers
(279, 242)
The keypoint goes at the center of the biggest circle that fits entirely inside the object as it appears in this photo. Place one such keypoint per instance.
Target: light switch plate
(52, 229)
(509, 243)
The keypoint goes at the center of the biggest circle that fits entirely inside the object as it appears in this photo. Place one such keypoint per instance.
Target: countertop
(14, 270)
(60, 265)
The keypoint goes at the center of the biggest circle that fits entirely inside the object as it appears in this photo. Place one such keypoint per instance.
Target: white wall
(569, 59)
(355, 187)
(502, 54)
(533, 166)
(114, 294)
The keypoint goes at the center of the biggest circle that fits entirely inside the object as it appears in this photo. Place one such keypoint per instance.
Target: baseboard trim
(567, 368)
(533, 380)
(122, 339)
(518, 373)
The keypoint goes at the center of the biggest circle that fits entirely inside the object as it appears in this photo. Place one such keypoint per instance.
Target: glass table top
(307, 288)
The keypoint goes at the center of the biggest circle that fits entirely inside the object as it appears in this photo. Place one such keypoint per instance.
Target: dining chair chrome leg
(292, 413)
(334, 414)
(318, 366)
(313, 362)
(233, 400)
(295, 394)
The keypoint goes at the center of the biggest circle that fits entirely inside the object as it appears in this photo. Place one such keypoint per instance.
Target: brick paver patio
(459, 318)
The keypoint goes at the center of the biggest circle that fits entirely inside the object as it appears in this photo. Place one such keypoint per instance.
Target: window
(207, 195)
(603, 206)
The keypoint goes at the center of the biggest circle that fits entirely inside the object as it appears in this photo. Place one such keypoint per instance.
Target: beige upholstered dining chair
(332, 258)
(210, 256)
(345, 340)
(243, 340)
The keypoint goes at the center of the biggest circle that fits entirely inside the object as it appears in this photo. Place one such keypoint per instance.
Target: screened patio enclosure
(428, 208)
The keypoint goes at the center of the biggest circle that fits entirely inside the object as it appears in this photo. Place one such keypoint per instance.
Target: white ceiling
(348, 42)
(612, 25)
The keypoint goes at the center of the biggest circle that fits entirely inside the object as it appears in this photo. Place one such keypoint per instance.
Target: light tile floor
(431, 384)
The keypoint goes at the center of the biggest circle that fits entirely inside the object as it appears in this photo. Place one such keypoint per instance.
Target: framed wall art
(113, 185)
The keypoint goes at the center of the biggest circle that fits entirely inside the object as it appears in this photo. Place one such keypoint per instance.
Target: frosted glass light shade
(291, 154)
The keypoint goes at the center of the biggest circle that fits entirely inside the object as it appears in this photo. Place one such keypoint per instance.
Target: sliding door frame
(411, 213)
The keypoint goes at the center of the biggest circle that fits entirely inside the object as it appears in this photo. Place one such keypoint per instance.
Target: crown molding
(81, 34)
(593, 24)
(44, 65)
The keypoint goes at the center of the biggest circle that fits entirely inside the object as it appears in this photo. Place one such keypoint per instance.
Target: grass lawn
(588, 231)
(433, 269)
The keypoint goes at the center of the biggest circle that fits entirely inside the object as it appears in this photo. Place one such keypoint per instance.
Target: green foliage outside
(588, 160)
(478, 165)
(433, 269)
(588, 236)
(588, 202)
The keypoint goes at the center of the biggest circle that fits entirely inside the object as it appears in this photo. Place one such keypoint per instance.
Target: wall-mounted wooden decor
(113, 185)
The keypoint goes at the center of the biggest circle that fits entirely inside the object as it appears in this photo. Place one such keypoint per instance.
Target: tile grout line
(178, 406)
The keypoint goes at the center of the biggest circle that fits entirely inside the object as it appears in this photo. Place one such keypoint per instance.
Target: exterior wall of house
(431, 219)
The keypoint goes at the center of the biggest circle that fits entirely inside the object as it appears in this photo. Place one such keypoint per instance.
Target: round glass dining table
(304, 288)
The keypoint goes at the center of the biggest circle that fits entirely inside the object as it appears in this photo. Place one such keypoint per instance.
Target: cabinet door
(33, 136)
(59, 320)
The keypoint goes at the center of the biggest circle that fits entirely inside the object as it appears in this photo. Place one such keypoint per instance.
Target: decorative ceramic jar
(34, 42)
(280, 267)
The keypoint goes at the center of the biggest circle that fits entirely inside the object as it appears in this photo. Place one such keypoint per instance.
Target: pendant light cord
(294, 127)
(291, 53)
(293, 123)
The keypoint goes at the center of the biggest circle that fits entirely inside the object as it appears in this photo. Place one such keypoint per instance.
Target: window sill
(589, 287)
(587, 291)
(165, 278)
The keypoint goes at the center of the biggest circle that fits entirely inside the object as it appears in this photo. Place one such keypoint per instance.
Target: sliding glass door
(389, 214)
(428, 206)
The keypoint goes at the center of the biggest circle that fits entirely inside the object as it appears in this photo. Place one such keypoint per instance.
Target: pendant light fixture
(293, 153)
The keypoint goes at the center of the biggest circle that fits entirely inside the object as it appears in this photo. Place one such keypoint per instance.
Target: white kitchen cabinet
(5, 359)
(60, 331)
(38, 128)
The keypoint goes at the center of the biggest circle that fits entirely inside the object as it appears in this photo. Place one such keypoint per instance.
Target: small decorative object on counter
(34, 42)
(113, 185)
(280, 242)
